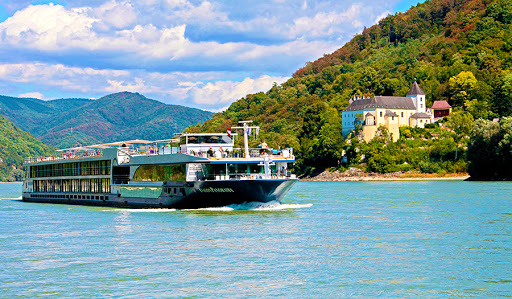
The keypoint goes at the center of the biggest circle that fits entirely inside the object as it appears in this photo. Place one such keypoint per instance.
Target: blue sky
(198, 53)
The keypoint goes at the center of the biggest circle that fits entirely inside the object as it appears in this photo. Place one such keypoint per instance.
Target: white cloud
(226, 92)
(64, 77)
(120, 15)
(53, 27)
(295, 48)
(49, 27)
(178, 3)
(34, 95)
(382, 16)
(325, 24)
(26, 72)
(118, 86)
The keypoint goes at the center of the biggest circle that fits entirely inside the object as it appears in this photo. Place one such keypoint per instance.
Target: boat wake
(141, 210)
(246, 206)
(256, 206)
(12, 198)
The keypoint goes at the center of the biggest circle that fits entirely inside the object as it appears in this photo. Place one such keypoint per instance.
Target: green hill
(459, 51)
(28, 114)
(15, 145)
(66, 122)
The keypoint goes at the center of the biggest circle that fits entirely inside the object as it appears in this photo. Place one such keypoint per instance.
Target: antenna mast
(246, 128)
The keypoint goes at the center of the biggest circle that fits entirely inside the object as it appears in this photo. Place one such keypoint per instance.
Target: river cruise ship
(186, 172)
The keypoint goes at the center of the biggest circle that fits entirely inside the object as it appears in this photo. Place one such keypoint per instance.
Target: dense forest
(457, 50)
(15, 145)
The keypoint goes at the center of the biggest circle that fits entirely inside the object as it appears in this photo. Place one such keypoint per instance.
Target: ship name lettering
(215, 190)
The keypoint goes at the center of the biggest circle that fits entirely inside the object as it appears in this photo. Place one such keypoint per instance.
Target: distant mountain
(29, 113)
(15, 145)
(121, 116)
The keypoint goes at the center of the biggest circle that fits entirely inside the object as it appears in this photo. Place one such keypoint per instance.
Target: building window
(381, 114)
(402, 114)
(421, 106)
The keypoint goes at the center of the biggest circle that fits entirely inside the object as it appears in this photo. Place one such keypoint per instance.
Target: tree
(461, 123)
(462, 87)
(490, 149)
(502, 103)
(501, 10)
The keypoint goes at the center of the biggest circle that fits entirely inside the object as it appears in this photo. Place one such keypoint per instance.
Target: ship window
(207, 139)
(160, 173)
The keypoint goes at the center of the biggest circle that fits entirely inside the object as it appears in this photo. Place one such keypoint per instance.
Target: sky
(197, 53)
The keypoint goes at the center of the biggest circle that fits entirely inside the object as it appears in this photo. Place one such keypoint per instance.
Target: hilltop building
(390, 112)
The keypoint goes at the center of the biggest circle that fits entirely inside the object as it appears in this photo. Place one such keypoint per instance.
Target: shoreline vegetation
(355, 174)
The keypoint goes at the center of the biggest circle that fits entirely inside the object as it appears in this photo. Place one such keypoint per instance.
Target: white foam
(12, 198)
(269, 206)
(246, 206)
(141, 210)
(217, 209)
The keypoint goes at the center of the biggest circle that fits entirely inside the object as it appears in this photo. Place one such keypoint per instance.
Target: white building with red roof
(388, 111)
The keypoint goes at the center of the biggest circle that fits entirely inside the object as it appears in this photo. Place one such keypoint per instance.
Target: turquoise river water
(428, 239)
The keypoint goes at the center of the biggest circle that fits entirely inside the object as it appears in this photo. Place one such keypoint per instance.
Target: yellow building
(390, 112)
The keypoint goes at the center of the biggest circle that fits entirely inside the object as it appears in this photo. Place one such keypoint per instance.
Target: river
(441, 239)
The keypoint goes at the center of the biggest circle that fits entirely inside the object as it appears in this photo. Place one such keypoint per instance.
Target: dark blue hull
(190, 195)
(223, 193)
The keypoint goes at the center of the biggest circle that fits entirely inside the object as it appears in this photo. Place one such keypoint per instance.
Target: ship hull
(191, 195)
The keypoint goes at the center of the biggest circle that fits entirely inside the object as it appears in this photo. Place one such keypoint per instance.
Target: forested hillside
(29, 114)
(67, 122)
(15, 145)
(459, 51)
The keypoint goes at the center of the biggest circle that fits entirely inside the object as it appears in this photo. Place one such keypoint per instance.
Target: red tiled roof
(441, 105)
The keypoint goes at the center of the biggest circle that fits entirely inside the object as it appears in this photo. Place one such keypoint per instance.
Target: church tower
(418, 97)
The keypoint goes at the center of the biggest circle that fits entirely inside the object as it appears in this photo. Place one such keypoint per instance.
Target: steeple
(415, 90)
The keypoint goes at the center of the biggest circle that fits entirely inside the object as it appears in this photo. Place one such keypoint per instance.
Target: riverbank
(355, 174)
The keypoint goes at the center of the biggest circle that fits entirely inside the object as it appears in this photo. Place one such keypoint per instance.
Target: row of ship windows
(71, 169)
(61, 196)
(74, 185)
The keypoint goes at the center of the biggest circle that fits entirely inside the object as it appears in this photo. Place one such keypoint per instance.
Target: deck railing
(244, 176)
(228, 154)
(65, 156)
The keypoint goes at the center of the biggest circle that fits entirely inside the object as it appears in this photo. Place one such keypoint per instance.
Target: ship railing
(245, 176)
(235, 153)
(65, 156)
(238, 153)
